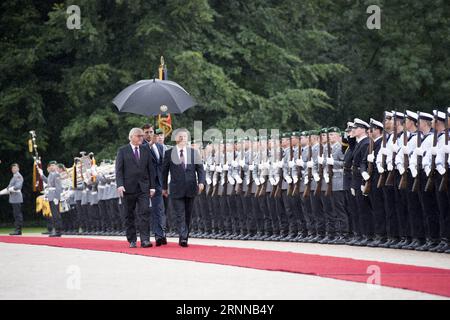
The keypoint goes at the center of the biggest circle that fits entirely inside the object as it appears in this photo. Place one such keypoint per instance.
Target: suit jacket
(17, 183)
(358, 155)
(135, 175)
(183, 182)
(54, 186)
(157, 162)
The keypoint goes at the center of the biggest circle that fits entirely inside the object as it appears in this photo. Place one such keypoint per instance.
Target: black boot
(17, 232)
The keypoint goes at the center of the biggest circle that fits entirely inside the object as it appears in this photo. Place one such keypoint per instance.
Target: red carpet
(424, 279)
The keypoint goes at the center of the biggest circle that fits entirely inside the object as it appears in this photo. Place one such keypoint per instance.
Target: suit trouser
(18, 216)
(443, 205)
(269, 211)
(430, 210)
(141, 201)
(401, 208)
(365, 217)
(205, 213)
(157, 214)
(392, 228)
(416, 220)
(56, 216)
(290, 214)
(307, 212)
(329, 218)
(379, 214)
(182, 208)
(318, 213)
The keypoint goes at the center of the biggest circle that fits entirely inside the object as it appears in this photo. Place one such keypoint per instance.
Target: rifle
(290, 189)
(368, 185)
(239, 187)
(299, 173)
(215, 191)
(225, 173)
(390, 177)
(263, 188)
(443, 187)
(309, 173)
(250, 174)
(211, 188)
(38, 184)
(416, 183)
(429, 186)
(277, 191)
(404, 179)
(233, 188)
(330, 169)
(382, 178)
(319, 183)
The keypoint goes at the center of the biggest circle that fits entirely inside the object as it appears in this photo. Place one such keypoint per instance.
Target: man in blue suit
(157, 211)
(187, 180)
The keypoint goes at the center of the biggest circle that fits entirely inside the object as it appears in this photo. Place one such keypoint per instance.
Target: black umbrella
(153, 97)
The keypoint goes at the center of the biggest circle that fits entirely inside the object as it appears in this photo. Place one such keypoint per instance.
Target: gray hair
(133, 132)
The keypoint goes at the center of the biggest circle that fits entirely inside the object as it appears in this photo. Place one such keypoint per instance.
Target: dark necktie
(136, 153)
(182, 159)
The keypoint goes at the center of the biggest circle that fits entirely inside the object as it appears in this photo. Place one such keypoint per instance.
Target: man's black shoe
(55, 234)
(133, 244)
(164, 241)
(184, 244)
(16, 233)
(146, 244)
(158, 242)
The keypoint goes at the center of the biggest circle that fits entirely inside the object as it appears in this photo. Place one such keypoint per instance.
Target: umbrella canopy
(153, 97)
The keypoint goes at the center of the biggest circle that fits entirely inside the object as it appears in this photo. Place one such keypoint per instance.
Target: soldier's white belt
(338, 170)
(51, 188)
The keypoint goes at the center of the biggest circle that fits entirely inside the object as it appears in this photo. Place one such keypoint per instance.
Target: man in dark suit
(158, 218)
(135, 176)
(187, 179)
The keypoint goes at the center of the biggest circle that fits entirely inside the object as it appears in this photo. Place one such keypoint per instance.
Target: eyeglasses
(139, 135)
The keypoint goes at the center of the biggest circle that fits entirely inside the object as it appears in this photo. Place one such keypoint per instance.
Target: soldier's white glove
(247, 181)
(400, 169)
(384, 151)
(365, 175)
(55, 201)
(446, 148)
(326, 177)
(390, 167)
(309, 164)
(395, 148)
(299, 162)
(212, 167)
(41, 173)
(362, 190)
(242, 163)
(320, 160)
(277, 180)
(262, 180)
(218, 169)
(405, 150)
(295, 179)
(257, 182)
(251, 167)
(413, 171)
(434, 150)
(352, 191)
(330, 161)
(380, 168)
(305, 180)
(427, 171)
(234, 164)
(222, 181)
(440, 169)
(238, 179)
(279, 164)
(272, 181)
(316, 177)
(231, 180)
(11, 189)
(371, 157)
(288, 179)
(291, 164)
(419, 151)
(225, 167)
(214, 182)
(208, 180)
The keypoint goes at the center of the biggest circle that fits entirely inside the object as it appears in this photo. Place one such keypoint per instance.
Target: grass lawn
(24, 230)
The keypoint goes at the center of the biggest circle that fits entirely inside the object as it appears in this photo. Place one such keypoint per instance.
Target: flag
(164, 121)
